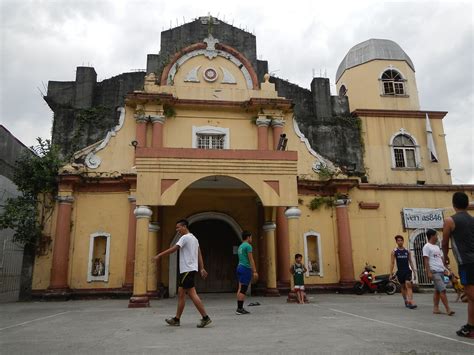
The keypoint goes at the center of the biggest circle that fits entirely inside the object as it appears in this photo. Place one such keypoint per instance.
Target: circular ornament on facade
(210, 74)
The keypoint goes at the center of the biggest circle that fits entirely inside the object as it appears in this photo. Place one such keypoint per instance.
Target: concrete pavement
(330, 324)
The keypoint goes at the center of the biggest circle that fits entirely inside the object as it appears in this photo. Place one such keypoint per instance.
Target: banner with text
(415, 218)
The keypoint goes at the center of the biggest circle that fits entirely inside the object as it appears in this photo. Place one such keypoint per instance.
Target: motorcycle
(369, 283)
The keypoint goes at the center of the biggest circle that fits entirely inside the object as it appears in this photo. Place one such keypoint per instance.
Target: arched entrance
(218, 235)
(218, 243)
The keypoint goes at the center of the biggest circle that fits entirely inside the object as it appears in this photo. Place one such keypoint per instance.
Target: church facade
(210, 137)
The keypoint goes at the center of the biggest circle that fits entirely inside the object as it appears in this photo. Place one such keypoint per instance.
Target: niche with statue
(312, 250)
(99, 252)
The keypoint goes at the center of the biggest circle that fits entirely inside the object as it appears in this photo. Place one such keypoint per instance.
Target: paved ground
(330, 324)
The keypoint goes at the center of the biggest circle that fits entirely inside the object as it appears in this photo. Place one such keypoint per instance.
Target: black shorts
(404, 276)
(186, 280)
(466, 274)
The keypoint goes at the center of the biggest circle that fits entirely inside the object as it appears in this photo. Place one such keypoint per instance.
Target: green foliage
(169, 111)
(325, 173)
(327, 201)
(319, 201)
(84, 119)
(36, 176)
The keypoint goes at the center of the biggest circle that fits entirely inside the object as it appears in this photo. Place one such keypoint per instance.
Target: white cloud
(46, 40)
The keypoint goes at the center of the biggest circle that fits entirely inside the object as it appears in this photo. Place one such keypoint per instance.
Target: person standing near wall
(434, 267)
(190, 261)
(246, 270)
(459, 228)
(404, 273)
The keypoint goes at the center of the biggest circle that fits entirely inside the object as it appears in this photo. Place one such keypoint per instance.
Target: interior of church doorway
(218, 242)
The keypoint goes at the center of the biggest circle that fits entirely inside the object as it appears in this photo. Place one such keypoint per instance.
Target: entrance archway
(218, 234)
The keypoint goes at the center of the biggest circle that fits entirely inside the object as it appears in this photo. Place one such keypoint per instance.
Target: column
(159, 247)
(283, 246)
(262, 249)
(293, 214)
(346, 264)
(60, 267)
(157, 135)
(152, 281)
(277, 127)
(269, 231)
(132, 230)
(141, 128)
(140, 298)
(262, 123)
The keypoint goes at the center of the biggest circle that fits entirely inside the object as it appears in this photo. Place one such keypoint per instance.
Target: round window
(210, 74)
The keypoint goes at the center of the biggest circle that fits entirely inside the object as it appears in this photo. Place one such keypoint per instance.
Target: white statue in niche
(98, 269)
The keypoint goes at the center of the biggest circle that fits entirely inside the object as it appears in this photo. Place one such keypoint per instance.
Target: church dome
(372, 49)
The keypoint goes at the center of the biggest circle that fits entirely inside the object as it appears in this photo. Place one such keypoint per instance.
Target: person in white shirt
(190, 261)
(434, 266)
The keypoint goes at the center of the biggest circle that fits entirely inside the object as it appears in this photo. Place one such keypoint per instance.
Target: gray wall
(11, 255)
(326, 121)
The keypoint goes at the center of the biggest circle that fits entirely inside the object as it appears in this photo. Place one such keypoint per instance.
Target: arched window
(313, 254)
(342, 91)
(393, 83)
(404, 151)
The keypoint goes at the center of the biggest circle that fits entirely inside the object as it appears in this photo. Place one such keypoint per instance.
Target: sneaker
(241, 311)
(412, 306)
(466, 331)
(172, 321)
(204, 322)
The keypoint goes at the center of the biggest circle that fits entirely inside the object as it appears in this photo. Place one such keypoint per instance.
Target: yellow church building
(210, 139)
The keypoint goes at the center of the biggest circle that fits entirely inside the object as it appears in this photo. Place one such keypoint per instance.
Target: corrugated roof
(370, 50)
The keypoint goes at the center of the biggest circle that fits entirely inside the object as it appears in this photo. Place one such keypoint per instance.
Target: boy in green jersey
(298, 270)
(246, 270)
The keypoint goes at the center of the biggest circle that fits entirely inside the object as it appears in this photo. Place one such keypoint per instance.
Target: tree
(36, 176)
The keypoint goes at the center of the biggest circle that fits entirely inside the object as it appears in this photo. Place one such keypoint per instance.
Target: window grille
(210, 141)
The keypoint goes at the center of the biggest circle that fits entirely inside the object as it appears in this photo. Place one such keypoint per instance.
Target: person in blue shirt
(246, 270)
(404, 272)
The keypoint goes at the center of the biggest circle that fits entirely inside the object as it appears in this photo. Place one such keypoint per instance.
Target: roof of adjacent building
(372, 49)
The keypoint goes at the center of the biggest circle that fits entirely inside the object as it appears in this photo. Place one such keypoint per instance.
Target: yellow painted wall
(99, 212)
(377, 132)
(322, 221)
(373, 231)
(178, 131)
(365, 91)
(42, 265)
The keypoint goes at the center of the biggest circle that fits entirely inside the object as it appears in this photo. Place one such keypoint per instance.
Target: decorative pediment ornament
(228, 56)
(93, 161)
(228, 77)
(192, 75)
(210, 50)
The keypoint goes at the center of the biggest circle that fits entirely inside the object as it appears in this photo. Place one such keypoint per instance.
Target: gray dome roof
(370, 50)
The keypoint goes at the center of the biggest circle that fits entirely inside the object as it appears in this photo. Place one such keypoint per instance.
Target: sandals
(253, 304)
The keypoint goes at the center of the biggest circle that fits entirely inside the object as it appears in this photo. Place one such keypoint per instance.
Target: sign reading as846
(415, 218)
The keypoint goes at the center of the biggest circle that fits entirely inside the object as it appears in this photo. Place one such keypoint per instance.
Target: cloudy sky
(46, 40)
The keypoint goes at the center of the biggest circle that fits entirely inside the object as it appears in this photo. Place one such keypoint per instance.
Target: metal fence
(11, 257)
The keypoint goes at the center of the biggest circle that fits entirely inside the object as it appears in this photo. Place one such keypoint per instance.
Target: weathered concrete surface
(330, 324)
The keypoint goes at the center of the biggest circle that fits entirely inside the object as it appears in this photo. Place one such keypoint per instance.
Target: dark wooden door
(217, 241)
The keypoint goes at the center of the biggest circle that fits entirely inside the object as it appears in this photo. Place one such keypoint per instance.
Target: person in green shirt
(246, 270)
(298, 270)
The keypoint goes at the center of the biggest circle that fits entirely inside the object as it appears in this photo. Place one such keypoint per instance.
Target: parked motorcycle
(369, 283)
